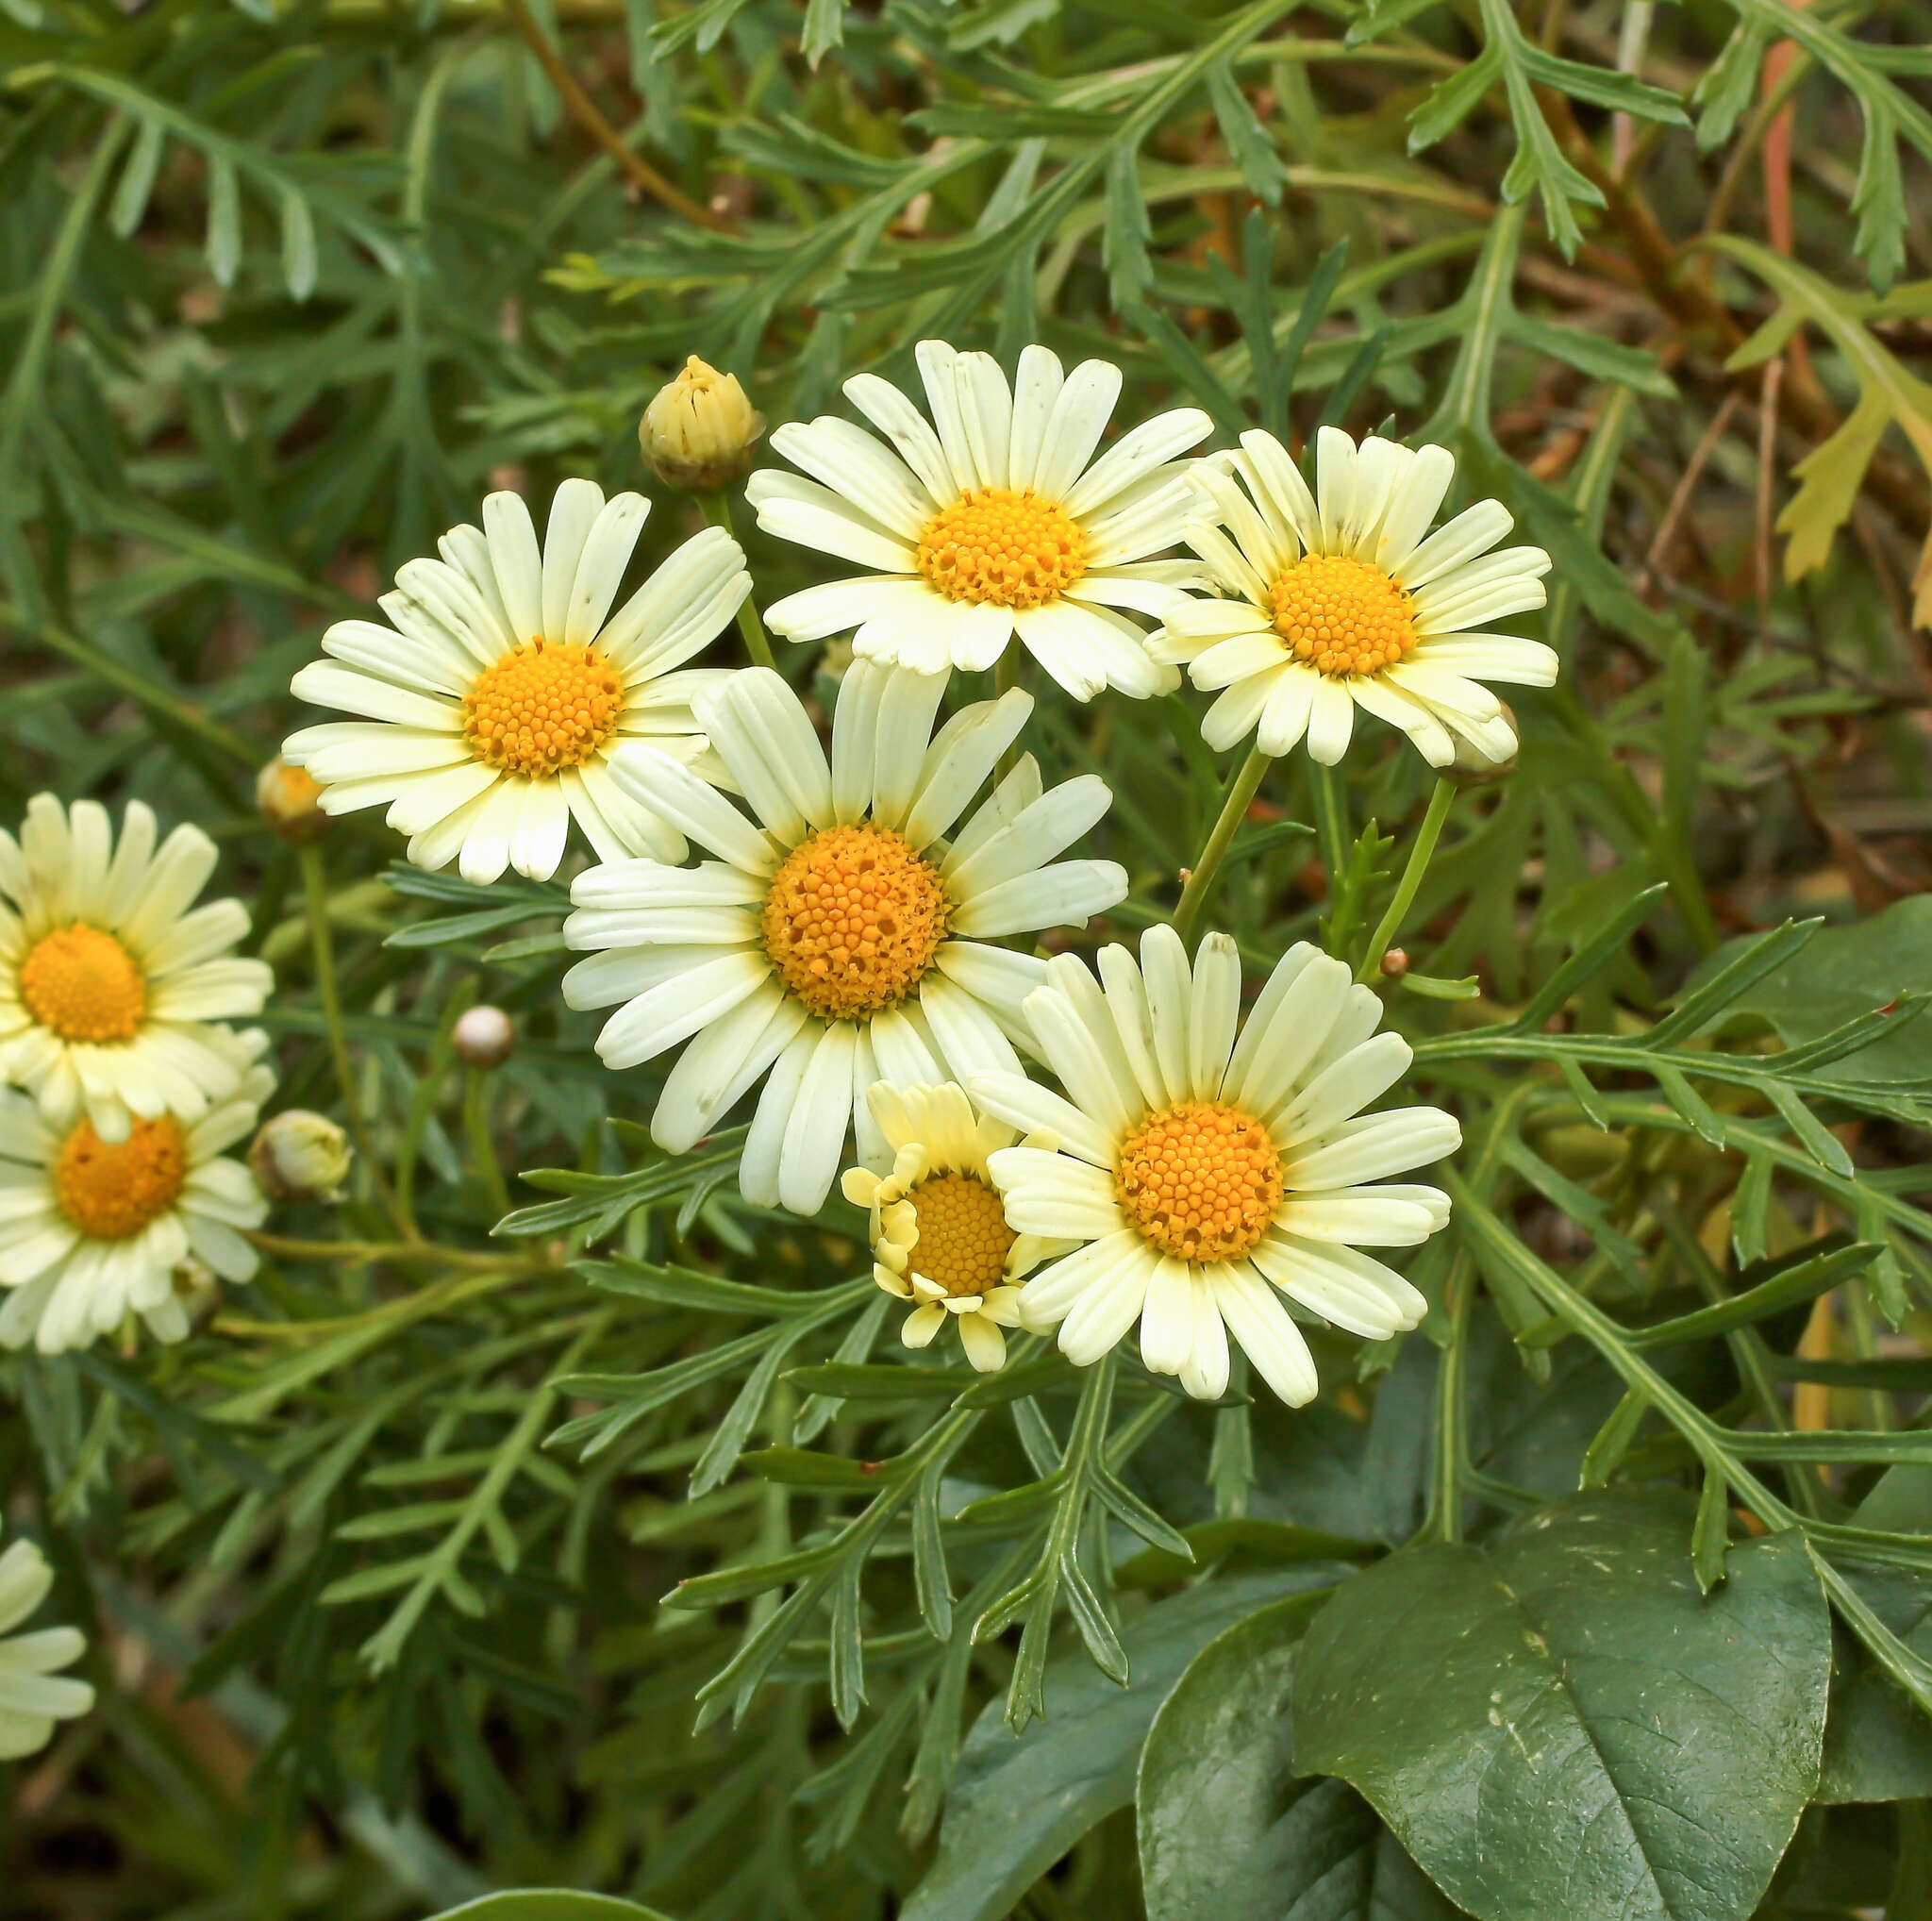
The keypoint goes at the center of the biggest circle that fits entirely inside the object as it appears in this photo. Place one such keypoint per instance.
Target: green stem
(1444, 1522)
(1420, 855)
(1331, 820)
(1206, 870)
(315, 886)
(482, 1146)
(422, 1101)
(716, 507)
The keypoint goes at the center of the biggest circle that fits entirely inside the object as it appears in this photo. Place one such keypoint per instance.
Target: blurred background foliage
(287, 285)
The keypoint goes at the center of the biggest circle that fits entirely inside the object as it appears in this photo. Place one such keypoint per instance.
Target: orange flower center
(1014, 549)
(1201, 1179)
(541, 709)
(85, 985)
(110, 1192)
(963, 1236)
(1341, 616)
(853, 919)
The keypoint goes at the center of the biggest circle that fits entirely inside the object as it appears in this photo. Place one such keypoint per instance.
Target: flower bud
(300, 1155)
(1472, 767)
(697, 434)
(483, 1036)
(197, 1289)
(290, 798)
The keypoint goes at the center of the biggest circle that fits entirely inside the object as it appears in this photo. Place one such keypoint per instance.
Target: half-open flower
(32, 1696)
(93, 1231)
(939, 1232)
(110, 975)
(839, 938)
(493, 707)
(1207, 1165)
(1343, 599)
(989, 521)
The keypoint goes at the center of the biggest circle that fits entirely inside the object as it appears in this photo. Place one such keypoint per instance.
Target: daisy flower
(989, 521)
(938, 1231)
(32, 1696)
(92, 1230)
(839, 939)
(1206, 1169)
(109, 973)
(1342, 599)
(494, 705)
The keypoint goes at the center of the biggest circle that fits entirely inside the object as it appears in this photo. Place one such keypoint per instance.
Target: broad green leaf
(1843, 972)
(1019, 1802)
(1226, 1829)
(1560, 1723)
(549, 1904)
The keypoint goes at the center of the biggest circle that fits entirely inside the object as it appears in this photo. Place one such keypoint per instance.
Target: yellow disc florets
(85, 985)
(963, 1236)
(1343, 617)
(1200, 1179)
(1013, 548)
(112, 1191)
(853, 919)
(541, 709)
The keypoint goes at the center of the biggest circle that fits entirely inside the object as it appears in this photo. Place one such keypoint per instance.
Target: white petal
(1268, 1337)
(815, 1133)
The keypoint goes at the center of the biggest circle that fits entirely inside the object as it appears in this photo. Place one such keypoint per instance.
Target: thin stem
(1420, 855)
(1331, 820)
(364, 1252)
(584, 110)
(716, 507)
(315, 886)
(1206, 870)
(482, 1146)
(422, 1101)
(1444, 1522)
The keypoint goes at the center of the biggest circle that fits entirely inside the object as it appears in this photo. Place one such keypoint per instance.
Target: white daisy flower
(495, 706)
(1206, 1170)
(1343, 599)
(32, 1696)
(938, 1233)
(989, 521)
(92, 1230)
(838, 939)
(110, 974)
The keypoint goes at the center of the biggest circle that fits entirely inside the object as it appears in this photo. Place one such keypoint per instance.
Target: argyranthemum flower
(108, 973)
(495, 706)
(840, 939)
(92, 1230)
(32, 1696)
(939, 1231)
(989, 522)
(1343, 599)
(1205, 1170)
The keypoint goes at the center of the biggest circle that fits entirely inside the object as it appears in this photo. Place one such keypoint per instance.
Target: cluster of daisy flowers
(1039, 1144)
(122, 1080)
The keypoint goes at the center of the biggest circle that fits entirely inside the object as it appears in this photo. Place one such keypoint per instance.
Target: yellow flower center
(1341, 616)
(85, 985)
(963, 1236)
(852, 920)
(110, 1192)
(1014, 549)
(541, 709)
(1200, 1179)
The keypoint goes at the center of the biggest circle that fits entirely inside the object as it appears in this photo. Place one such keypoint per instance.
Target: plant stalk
(1206, 870)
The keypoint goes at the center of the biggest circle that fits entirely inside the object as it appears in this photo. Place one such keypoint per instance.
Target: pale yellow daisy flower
(32, 1696)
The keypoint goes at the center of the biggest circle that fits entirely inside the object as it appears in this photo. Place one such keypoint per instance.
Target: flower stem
(1234, 807)
(1420, 854)
(482, 1146)
(1331, 820)
(716, 509)
(315, 886)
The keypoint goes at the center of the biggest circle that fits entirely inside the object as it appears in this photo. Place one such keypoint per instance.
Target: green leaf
(1559, 1723)
(1226, 1828)
(1019, 1802)
(549, 1904)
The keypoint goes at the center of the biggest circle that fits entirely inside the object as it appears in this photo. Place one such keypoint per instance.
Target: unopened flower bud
(484, 1036)
(1395, 964)
(698, 433)
(290, 798)
(1472, 767)
(300, 1155)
